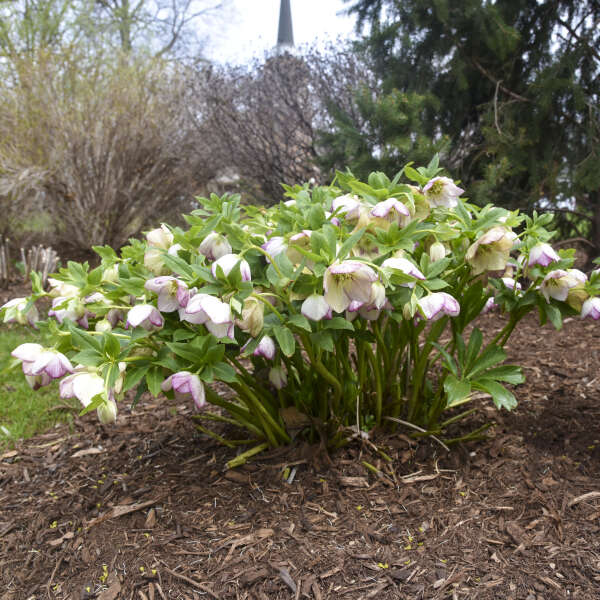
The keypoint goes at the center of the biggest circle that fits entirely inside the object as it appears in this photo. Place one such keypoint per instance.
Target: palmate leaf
(500, 395)
(457, 391)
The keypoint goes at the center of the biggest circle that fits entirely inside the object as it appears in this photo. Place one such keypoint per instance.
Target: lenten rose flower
(542, 254)
(61, 288)
(186, 385)
(252, 319)
(15, 312)
(388, 212)
(489, 305)
(37, 360)
(107, 411)
(209, 311)
(278, 377)
(442, 191)
(347, 206)
(274, 246)
(437, 305)
(491, 251)
(227, 262)
(404, 266)
(559, 282)
(437, 251)
(214, 245)
(83, 385)
(69, 308)
(173, 293)
(266, 348)
(146, 316)
(160, 238)
(315, 308)
(346, 281)
(591, 308)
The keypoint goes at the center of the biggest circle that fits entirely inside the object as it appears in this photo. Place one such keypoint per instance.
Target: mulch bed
(145, 509)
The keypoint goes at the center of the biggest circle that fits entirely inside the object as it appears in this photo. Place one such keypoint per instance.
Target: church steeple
(285, 34)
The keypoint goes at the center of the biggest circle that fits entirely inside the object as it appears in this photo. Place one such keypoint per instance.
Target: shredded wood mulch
(145, 509)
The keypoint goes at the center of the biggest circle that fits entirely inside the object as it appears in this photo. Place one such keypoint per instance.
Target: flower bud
(437, 251)
(103, 326)
(107, 412)
(252, 316)
(214, 245)
(278, 377)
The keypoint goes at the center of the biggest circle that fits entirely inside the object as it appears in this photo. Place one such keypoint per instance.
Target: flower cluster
(338, 298)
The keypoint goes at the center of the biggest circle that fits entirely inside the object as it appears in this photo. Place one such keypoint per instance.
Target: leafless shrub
(105, 149)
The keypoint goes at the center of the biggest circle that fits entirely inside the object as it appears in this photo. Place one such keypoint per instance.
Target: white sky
(252, 29)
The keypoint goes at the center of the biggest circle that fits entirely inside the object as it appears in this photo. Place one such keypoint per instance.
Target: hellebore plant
(343, 307)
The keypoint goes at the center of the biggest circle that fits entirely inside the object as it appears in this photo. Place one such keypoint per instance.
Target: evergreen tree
(508, 90)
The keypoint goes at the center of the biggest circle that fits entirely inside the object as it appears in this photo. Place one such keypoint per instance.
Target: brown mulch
(145, 509)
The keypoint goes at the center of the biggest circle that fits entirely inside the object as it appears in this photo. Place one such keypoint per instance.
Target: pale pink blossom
(186, 385)
(173, 293)
(227, 262)
(315, 308)
(542, 254)
(146, 316)
(346, 281)
(438, 305)
(442, 191)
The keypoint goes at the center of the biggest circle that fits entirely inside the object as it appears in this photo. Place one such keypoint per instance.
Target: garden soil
(146, 509)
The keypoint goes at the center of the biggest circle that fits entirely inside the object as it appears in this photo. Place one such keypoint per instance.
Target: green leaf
(285, 339)
(154, 379)
(88, 357)
(224, 372)
(82, 339)
(492, 355)
(300, 321)
(178, 265)
(133, 376)
(105, 253)
(186, 351)
(338, 323)
(112, 348)
(473, 348)
(457, 391)
(500, 395)
(507, 373)
(350, 243)
(323, 340)
(97, 400)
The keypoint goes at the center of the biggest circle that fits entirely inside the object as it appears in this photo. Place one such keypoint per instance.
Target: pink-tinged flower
(489, 305)
(491, 251)
(146, 316)
(315, 308)
(437, 305)
(173, 294)
(83, 385)
(278, 377)
(347, 206)
(510, 283)
(186, 385)
(542, 254)
(35, 382)
(404, 266)
(160, 238)
(265, 348)
(214, 245)
(209, 311)
(227, 262)
(276, 245)
(390, 211)
(15, 312)
(442, 191)
(591, 308)
(36, 360)
(559, 282)
(333, 220)
(346, 281)
(69, 308)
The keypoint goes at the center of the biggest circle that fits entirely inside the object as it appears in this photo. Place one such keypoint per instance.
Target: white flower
(437, 251)
(559, 282)
(173, 293)
(15, 312)
(226, 264)
(214, 245)
(69, 308)
(438, 305)
(146, 316)
(160, 238)
(542, 254)
(315, 308)
(276, 245)
(83, 385)
(491, 251)
(60, 288)
(252, 316)
(278, 377)
(442, 191)
(346, 281)
(107, 411)
(390, 211)
(186, 385)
